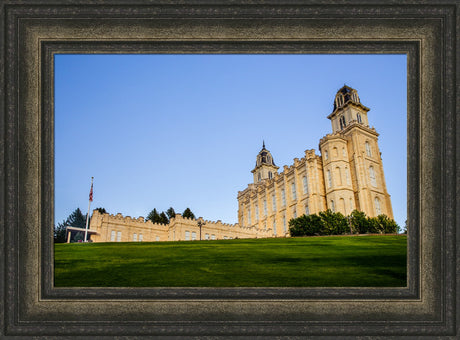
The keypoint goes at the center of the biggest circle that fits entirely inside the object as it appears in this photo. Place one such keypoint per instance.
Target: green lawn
(342, 261)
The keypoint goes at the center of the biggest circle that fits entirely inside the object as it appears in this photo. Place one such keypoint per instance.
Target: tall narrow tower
(265, 165)
(353, 169)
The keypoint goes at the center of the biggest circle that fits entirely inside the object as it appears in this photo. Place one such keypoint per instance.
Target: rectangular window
(305, 185)
(249, 216)
(140, 237)
(112, 236)
(193, 235)
(283, 197)
(294, 193)
(329, 178)
(274, 226)
(135, 237)
(213, 237)
(347, 175)
(225, 238)
(206, 236)
(157, 238)
(307, 210)
(187, 235)
(274, 202)
(257, 212)
(265, 207)
(119, 236)
(284, 223)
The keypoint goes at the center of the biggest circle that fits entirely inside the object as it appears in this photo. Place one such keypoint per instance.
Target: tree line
(164, 217)
(335, 223)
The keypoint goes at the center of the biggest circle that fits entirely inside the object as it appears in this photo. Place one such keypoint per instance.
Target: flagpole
(89, 204)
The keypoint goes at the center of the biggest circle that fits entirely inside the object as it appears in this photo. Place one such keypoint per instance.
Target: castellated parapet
(119, 228)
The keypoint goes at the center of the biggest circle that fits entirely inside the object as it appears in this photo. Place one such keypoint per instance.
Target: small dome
(264, 157)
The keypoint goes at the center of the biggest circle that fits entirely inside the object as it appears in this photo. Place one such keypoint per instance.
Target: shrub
(359, 222)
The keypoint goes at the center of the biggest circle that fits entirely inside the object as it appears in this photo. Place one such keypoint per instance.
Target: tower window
(342, 122)
(377, 206)
(332, 206)
(249, 216)
(294, 193)
(283, 197)
(372, 176)
(270, 175)
(305, 185)
(257, 212)
(265, 207)
(347, 175)
(326, 156)
(274, 202)
(339, 176)
(358, 117)
(329, 178)
(368, 149)
(259, 177)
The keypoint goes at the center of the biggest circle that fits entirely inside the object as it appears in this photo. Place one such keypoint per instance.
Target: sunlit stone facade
(348, 175)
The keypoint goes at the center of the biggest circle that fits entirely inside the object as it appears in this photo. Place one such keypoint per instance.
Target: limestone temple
(347, 175)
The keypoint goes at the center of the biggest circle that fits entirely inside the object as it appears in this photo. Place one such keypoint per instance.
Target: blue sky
(158, 131)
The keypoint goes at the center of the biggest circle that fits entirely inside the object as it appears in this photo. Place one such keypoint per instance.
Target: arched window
(193, 235)
(368, 149)
(305, 185)
(187, 235)
(270, 175)
(339, 176)
(344, 154)
(329, 178)
(332, 206)
(326, 156)
(342, 206)
(342, 122)
(335, 153)
(135, 237)
(378, 211)
(372, 176)
(358, 117)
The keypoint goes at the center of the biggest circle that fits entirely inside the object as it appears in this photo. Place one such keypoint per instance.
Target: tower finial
(263, 144)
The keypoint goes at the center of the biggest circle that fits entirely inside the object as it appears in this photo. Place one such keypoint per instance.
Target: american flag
(91, 193)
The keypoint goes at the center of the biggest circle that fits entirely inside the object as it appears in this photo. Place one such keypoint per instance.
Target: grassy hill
(340, 261)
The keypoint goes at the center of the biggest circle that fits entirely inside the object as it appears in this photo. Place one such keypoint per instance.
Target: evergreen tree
(101, 210)
(163, 218)
(171, 213)
(76, 219)
(60, 232)
(154, 216)
(188, 214)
